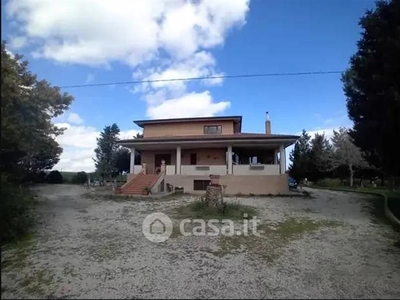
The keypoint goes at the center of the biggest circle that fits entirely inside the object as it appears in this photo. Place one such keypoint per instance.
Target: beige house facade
(185, 152)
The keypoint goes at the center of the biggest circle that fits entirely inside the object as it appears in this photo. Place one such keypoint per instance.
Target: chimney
(267, 125)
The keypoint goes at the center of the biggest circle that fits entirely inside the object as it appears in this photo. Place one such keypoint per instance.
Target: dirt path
(326, 247)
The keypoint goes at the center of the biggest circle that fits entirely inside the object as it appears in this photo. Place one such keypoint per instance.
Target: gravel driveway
(329, 246)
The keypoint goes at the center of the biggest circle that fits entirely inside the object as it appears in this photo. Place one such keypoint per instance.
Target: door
(193, 159)
(157, 161)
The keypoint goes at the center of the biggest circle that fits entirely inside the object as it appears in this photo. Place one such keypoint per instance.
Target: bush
(80, 178)
(54, 177)
(40, 177)
(16, 215)
(329, 182)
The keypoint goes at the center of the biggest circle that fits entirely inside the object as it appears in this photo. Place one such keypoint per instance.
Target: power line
(203, 78)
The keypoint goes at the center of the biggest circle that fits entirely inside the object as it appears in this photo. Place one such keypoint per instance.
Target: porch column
(282, 159)
(230, 159)
(132, 162)
(178, 160)
(275, 157)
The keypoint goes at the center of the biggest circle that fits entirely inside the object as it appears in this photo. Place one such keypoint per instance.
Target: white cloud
(78, 143)
(95, 32)
(176, 36)
(89, 79)
(189, 105)
(18, 42)
(74, 118)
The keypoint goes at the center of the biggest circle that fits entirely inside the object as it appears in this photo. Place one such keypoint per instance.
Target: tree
(27, 109)
(345, 153)
(80, 178)
(371, 85)
(122, 161)
(54, 177)
(318, 155)
(300, 157)
(106, 151)
(138, 135)
(28, 145)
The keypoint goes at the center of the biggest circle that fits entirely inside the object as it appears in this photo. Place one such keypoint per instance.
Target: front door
(157, 161)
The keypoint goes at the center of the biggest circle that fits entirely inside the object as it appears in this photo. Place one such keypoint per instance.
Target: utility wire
(202, 78)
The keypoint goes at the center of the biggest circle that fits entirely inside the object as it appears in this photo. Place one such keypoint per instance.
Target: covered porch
(199, 158)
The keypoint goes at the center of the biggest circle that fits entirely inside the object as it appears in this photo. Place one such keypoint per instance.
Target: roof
(236, 119)
(212, 137)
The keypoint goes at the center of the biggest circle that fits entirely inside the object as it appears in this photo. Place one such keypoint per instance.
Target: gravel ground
(329, 246)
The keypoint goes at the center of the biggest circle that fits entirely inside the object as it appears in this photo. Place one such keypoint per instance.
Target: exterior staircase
(136, 185)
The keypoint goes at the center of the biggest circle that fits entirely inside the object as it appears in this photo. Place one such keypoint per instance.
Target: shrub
(40, 177)
(16, 215)
(329, 182)
(54, 177)
(80, 178)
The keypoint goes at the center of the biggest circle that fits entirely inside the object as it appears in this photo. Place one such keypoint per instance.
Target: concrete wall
(137, 169)
(213, 169)
(130, 176)
(181, 129)
(246, 170)
(235, 184)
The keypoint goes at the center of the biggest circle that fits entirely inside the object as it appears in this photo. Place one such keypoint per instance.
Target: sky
(78, 42)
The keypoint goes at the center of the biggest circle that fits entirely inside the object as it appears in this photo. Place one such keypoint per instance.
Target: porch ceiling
(142, 144)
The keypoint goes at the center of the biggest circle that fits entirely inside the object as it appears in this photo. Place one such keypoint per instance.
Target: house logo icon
(157, 227)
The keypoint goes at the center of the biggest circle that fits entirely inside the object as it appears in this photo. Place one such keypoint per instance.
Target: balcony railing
(203, 170)
(221, 169)
(256, 170)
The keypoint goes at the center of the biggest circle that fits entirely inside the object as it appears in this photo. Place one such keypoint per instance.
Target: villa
(184, 153)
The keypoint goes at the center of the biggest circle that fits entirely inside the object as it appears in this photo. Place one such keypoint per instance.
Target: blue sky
(77, 42)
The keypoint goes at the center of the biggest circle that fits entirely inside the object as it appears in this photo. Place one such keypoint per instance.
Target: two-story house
(184, 152)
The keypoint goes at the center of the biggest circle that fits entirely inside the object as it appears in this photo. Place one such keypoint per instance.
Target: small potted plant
(146, 191)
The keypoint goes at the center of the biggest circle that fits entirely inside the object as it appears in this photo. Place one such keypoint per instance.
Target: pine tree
(300, 157)
(372, 87)
(106, 151)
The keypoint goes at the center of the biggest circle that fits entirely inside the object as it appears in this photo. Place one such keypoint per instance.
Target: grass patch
(199, 210)
(272, 240)
(16, 212)
(17, 252)
(39, 283)
(132, 198)
(105, 252)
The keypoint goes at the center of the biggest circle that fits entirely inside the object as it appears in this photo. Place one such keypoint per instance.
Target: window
(193, 159)
(214, 129)
(200, 185)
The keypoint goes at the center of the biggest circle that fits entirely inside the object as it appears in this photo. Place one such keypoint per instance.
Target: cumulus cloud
(189, 105)
(74, 118)
(128, 31)
(175, 36)
(78, 143)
